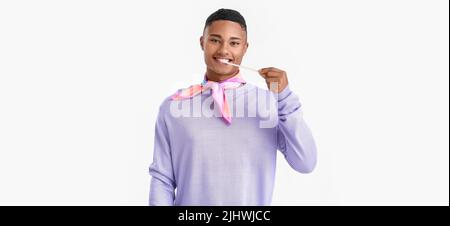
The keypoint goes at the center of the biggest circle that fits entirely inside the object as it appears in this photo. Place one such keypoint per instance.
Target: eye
(213, 40)
(235, 43)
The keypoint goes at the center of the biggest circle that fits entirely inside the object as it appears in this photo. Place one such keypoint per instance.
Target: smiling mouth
(223, 60)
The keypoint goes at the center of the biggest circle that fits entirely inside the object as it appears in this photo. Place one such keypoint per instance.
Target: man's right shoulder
(165, 104)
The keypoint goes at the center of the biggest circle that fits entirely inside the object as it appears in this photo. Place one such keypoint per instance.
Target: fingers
(274, 74)
(265, 70)
(276, 79)
(270, 72)
(273, 80)
(261, 73)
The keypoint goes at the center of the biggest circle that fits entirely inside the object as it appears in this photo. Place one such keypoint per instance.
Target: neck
(212, 76)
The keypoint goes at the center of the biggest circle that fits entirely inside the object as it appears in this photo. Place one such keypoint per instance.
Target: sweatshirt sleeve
(295, 140)
(162, 185)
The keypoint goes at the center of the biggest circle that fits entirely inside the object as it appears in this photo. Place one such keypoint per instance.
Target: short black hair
(226, 14)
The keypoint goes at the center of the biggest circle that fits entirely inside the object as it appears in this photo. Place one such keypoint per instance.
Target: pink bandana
(218, 93)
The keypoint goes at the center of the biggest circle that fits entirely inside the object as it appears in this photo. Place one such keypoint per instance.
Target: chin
(225, 72)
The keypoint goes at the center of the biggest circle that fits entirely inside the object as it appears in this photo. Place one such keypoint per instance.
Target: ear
(245, 47)
(201, 42)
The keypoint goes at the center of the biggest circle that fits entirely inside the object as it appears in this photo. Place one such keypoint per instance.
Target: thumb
(262, 72)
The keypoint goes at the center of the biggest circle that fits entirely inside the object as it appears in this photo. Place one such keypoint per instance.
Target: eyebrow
(219, 36)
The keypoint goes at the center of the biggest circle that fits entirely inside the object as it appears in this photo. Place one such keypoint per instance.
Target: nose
(223, 50)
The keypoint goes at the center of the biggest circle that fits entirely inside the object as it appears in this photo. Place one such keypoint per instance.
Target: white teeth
(224, 60)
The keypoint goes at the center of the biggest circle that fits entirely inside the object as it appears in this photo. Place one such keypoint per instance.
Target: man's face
(223, 39)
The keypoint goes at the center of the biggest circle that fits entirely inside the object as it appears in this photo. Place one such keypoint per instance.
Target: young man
(220, 147)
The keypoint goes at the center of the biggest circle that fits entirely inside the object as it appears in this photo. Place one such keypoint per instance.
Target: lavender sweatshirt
(200, 160)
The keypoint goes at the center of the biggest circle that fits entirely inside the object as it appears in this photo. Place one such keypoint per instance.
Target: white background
(81, 82)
